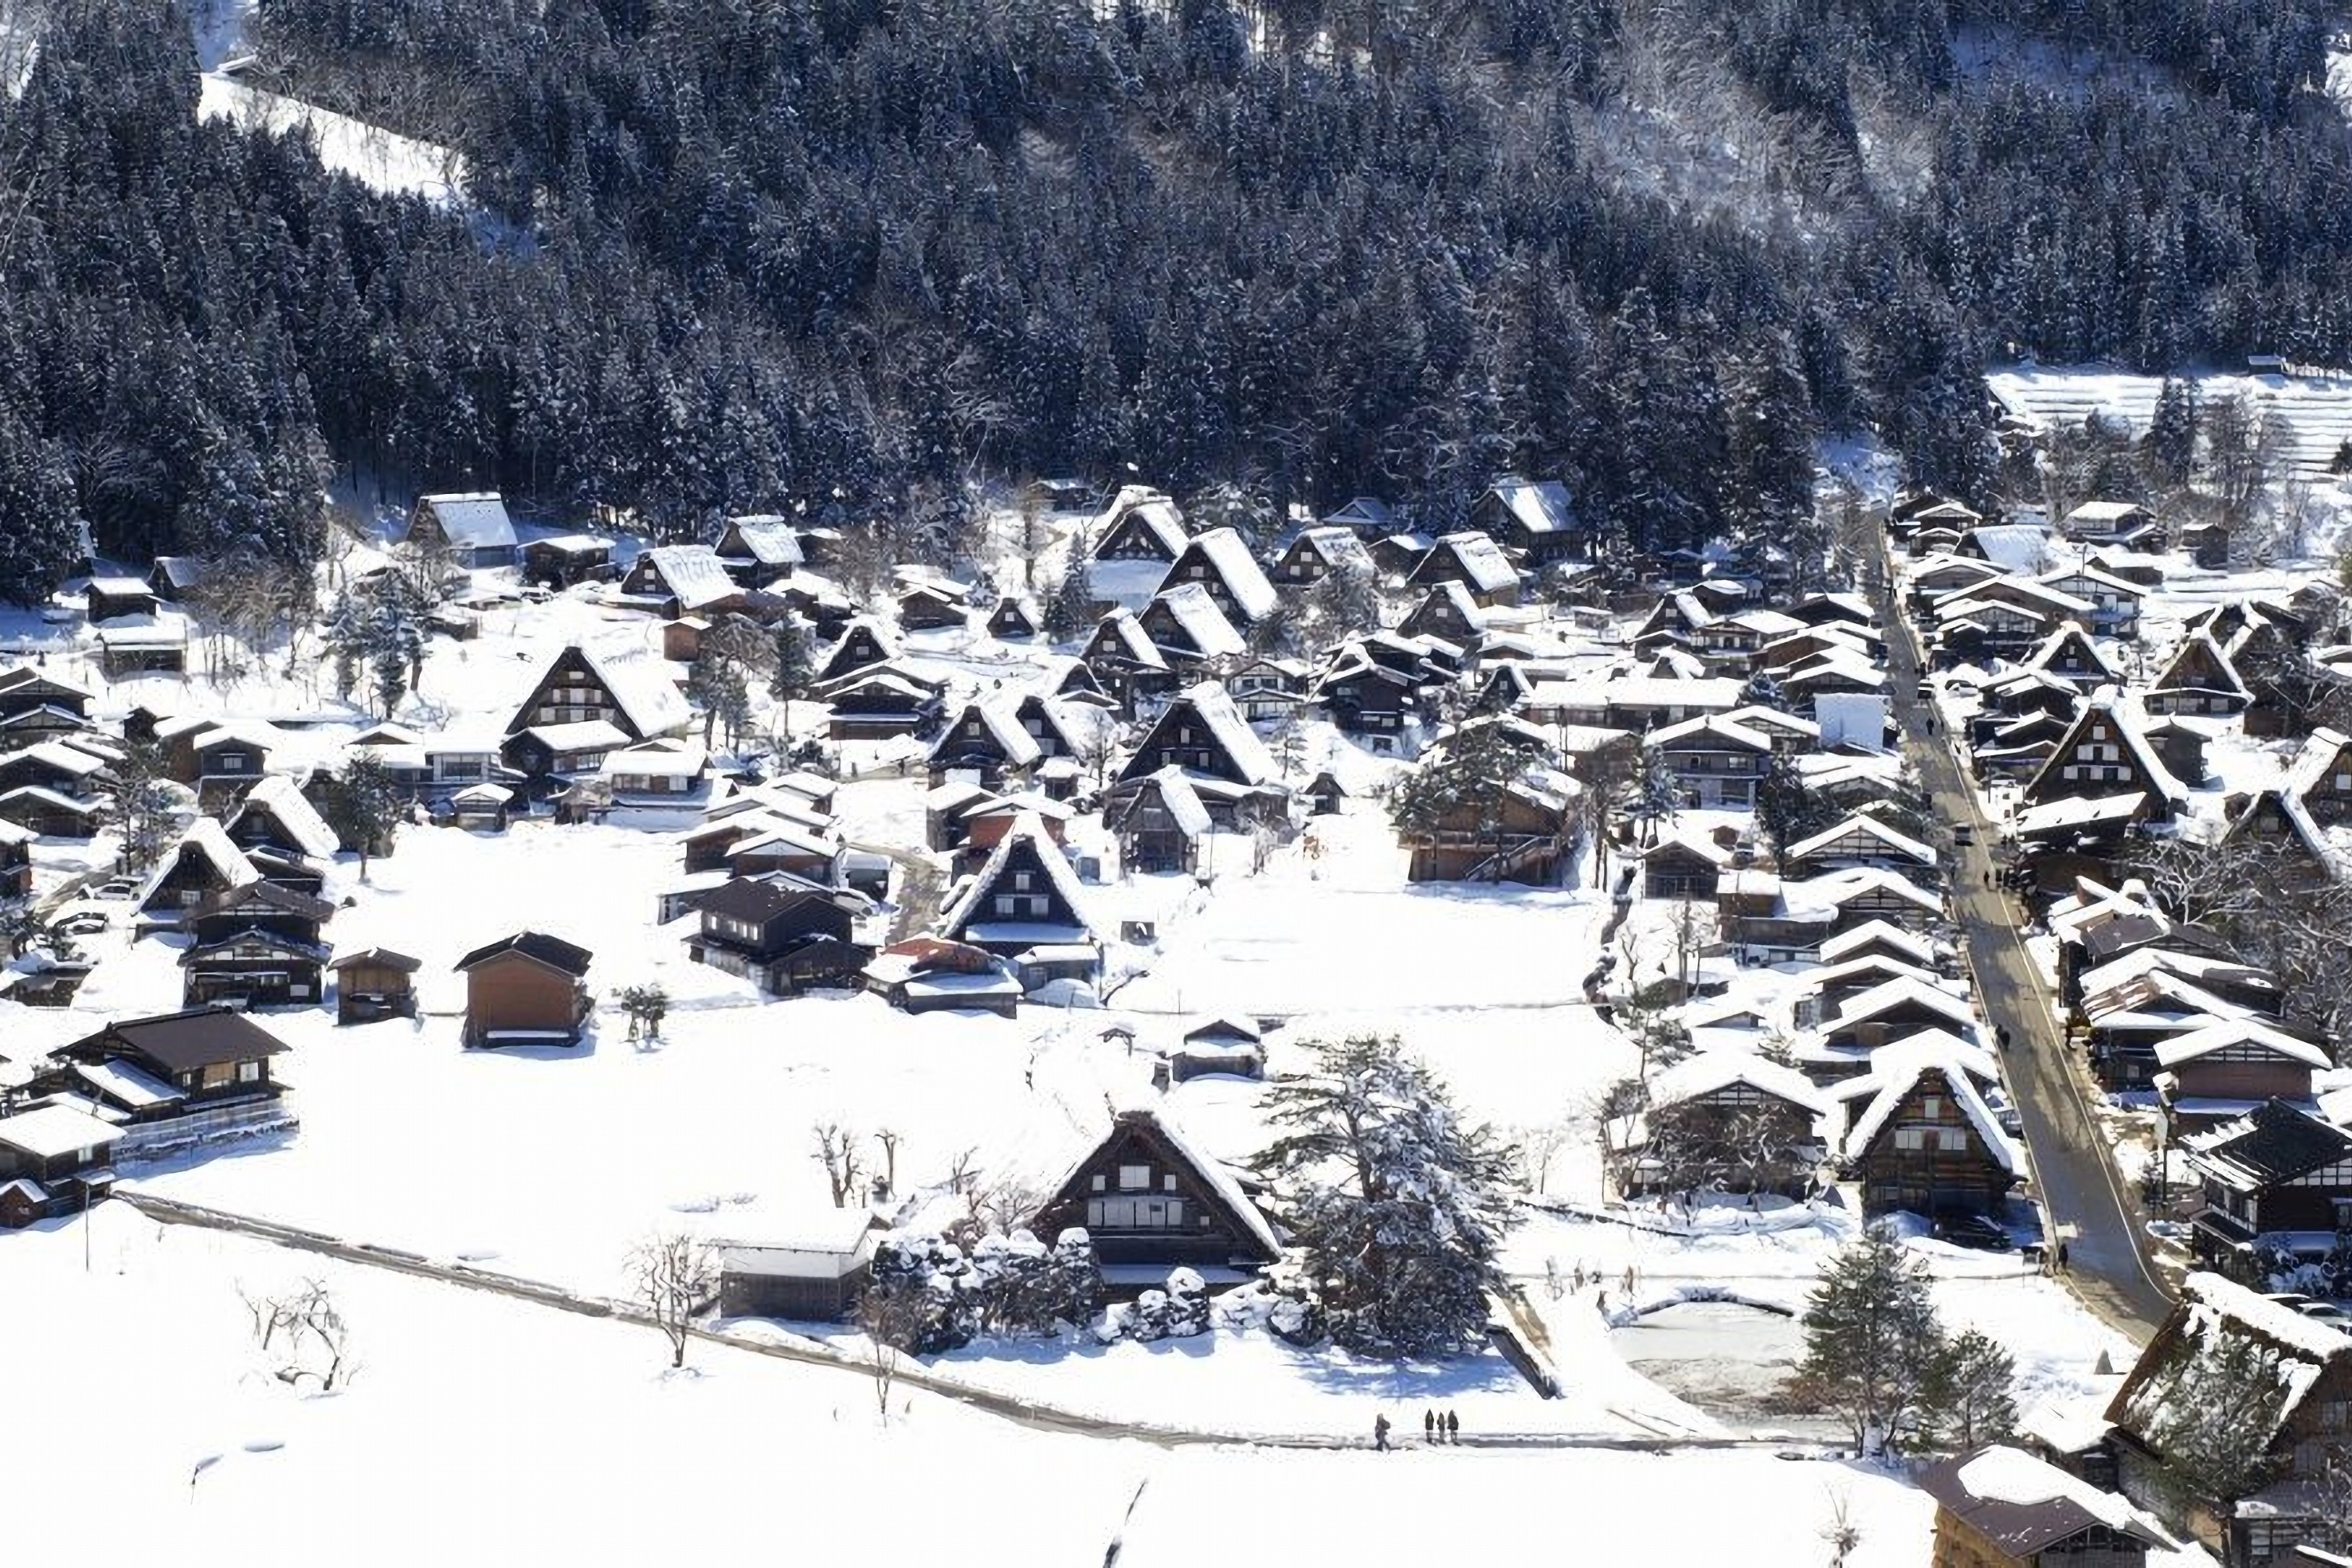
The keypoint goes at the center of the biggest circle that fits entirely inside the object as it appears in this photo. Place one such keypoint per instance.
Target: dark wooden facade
(526, 989)
(373, 984)
(257, 945)
(1145, 1199)
(1928, 1156)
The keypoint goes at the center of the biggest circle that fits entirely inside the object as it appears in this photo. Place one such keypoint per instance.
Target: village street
(2072, 1167)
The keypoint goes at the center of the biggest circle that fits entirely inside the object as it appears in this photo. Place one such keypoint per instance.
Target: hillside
(851, 256)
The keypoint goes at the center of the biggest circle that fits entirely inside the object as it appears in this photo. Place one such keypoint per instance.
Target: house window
(1952, 1140)
(231, 762)
(1098, 1183)
(250, 1072)
(1006, 904)
(1134, 1178)
(1167, 1183)
(1931, 1107)
(1021, 881)
(1910, 1138)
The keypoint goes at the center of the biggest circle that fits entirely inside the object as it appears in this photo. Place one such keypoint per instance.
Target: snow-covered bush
(1177, 1313)
(1011, 1285)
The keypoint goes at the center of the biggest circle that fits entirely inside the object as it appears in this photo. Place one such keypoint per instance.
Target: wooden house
(2278, 1177)
(781, 936)
(682, 580)
(116, 598)
(566, 560)
(1269, 689)
(931, 607)
(1026, 897)
(472, 528)
(1927, 1143)
(1365, 697)
(143, 645)
(2197, 680)
(2321, 777)
(581, 686)
(1014, 620)
(2105, 754)
(1227, 1048)
(173, 1078)
(55, 1159)
(1531, 518)
(254, 945)
(483, 808)
(810, 1267)
(2115, 600)
(1189, 627)
(2069, 654)
(1220, 564)
(929, 974)
(2297, 854)
(374, 984)
(1472, 560)
(2128, 525)
(861, 647)
(2286, 1384)
(1523, 836)
(879, 702)
(1124, 661)
(1736, 1120)
(1159, 821)
(528, 989)
(667, 773)
(553, 755)
(1139, 524)
(173, 577)
(15, 860)
(202, 863)
(1201, 731)
(1398, 555)
(276, 816)
(759, 550)
(1683, 867)
(29, 689)
(1999, 1507)
(1367, 517)
(1718, 763)
(55, 769)
(1150, 1200)
(1861, 840)
(1318, 552)
(1449, 611)
(2230, 1066)
(1895, 1009)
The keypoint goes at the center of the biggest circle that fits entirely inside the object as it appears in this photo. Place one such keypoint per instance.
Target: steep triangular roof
(1027, 833)
(280, 799)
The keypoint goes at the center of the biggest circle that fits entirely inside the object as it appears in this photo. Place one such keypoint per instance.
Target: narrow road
(2073, 1167)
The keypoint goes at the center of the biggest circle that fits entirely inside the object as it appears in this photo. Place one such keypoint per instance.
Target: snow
(377, 158)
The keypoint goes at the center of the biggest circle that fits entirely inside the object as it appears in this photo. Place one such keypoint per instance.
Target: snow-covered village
(1074, 783)
(1840, 1030)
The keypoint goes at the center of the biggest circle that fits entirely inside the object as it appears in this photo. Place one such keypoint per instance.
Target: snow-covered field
(478, 1429)
(377, 158)
(2314, 408)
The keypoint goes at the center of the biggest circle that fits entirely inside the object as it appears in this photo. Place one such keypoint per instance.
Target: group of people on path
(1435, 1428)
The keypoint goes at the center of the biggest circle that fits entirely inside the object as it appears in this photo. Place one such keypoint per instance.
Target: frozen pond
(1728, 1360)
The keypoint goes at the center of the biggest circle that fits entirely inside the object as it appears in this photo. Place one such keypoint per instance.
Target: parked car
(81, 922)
(1973, 1230)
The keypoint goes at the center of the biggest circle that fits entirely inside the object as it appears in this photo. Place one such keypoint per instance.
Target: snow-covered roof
(1148, 507)
(572, 543)
(2025, 1504)
(1869, 827)
(206, 838)
(2222, 1033)
(1903, 991)
(1029, 829)
(641, 690)
(1896, 1069)
(1214, 1173)
(693, 573)
(2012, 546)
(1482, 560)
(659, 758)
(1134, 643)
(1696, 734)
(1340, 548)
(473, 518)
(585, 735)
(1709, 1071)
(2274, 1320)
(129, 1085)
(769, 539)
(1228, 555)
(1878, 934)
(1539, 506)
(1128, 584)
(283, 801)
(1215, 709)
(1000, 717)
(1201, 619)
(52, 1131)
(1182, 801)
(120, 587)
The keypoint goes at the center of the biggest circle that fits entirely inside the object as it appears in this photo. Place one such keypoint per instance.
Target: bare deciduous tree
(888, 1141)
(303, 1325)
(836, 1150)
(675, 1275)
(890, 1319)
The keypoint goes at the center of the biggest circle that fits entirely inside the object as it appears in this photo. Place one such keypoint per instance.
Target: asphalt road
(2071, 1162)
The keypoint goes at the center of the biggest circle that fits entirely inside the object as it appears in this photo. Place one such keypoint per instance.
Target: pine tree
(1967, 1400)
(1786, 808)
(1397, 1207)
(1871, 1340)
(2170, 448)
(789, 674)
(1071, 609)
(1654, 795)
(362, 806)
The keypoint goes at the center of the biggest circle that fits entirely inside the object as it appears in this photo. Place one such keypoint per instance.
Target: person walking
(2062, 1257)
(1429, 1425)
(1381, 1432)
(1452, 1428)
